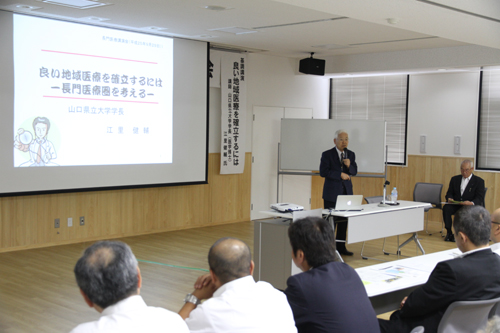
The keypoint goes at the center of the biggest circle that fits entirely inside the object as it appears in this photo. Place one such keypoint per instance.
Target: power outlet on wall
(57, 223)
(82, 220)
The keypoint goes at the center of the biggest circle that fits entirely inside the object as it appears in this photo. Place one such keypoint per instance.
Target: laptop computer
(349, 203)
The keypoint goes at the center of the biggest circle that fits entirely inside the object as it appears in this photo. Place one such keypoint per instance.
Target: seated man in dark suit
(328, 296)
(474, 275)
(468, 189)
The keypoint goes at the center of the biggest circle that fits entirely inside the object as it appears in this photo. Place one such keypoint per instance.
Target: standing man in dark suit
(474, 275)
(337, 166)
(329, 295)
(468, 189)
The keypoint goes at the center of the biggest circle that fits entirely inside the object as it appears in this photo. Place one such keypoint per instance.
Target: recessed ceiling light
(80, 4)
(155, 28)
(393, 20)
(217, 8)
(331, 46)
(94, 18)
(25, 7)
(235, 30)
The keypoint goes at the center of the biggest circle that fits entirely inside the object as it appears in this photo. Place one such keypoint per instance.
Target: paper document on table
(378, 280)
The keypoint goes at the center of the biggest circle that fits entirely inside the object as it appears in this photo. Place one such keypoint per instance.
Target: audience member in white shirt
(110, 281)
(234, 301)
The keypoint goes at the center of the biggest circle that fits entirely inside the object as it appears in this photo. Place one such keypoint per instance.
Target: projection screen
(90, 108)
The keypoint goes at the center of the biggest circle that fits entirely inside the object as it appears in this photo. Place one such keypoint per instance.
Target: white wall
(466, 56)
(272, 81)
(441, 106)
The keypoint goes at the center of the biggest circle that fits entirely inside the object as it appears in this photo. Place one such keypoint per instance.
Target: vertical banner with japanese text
(233, 114)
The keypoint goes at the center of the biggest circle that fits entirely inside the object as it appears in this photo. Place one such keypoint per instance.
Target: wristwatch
(190, 298)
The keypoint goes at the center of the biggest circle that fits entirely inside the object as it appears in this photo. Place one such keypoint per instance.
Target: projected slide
(87, 96)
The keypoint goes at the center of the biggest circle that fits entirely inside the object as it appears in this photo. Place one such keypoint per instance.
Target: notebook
(349, 203)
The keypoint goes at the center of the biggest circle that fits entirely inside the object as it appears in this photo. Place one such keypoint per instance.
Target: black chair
(484, 201)
(431, 193)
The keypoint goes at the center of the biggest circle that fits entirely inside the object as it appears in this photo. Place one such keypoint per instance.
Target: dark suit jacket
(473, 277)
(473, 192)
(330, 298)
(330, 168)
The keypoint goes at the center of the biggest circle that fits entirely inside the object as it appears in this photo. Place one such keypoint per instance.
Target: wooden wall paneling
(429, 169)
(317, 183)
(86, 207)
(490, 181)
(23, 219)
(368, 186)
(415, 172)
(28, 221)
(149, 210)
(436, 174)
(185, 206)
(109, 214)
(495, 192)
(230, 194)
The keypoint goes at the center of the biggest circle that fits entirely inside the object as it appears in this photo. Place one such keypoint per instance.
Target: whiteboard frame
(304, 140)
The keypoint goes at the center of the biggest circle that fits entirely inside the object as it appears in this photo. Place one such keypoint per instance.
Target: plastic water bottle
(394, 195)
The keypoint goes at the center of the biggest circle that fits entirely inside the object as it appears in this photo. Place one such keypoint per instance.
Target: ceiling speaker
(312, 66)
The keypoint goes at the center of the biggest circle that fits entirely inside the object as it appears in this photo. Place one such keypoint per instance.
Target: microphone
(344, 156)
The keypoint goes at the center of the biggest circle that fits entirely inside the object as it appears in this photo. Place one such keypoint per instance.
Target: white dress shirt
(464, 183)
(495, 248)
(133, 315)
(243, 305)
(472, 251)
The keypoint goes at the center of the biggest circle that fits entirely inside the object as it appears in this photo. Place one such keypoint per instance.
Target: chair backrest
(428, 192)
(466, 316)
(375, 199)
(484, 201)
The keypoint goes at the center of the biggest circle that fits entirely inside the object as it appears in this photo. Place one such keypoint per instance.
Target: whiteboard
(304, 140)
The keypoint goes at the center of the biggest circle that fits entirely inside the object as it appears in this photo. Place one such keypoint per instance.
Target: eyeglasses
(495, 222)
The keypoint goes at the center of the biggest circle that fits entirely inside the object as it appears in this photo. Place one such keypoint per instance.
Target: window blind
(375, 98)
(488, 138)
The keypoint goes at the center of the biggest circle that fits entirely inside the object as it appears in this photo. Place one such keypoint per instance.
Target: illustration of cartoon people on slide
(41, 150)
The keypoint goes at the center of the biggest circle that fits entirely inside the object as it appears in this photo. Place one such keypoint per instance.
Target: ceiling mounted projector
(312, 66)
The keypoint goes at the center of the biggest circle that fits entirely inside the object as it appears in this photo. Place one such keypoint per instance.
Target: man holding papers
(464, 190)
(474, 275)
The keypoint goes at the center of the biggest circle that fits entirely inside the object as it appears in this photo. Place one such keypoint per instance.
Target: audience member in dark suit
(475, 275)
(337, 166)
(466, 188)
(328, 296)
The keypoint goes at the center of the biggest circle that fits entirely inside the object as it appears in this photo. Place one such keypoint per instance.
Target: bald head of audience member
(229, 259)
(107, 273)
(472, 227)
(495, 226)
